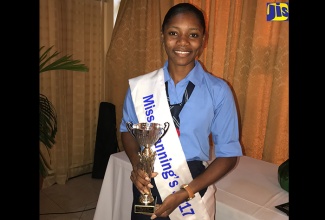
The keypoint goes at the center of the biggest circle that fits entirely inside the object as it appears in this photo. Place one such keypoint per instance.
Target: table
(249, 191)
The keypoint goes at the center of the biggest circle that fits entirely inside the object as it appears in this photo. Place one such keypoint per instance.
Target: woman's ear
(162, 37)
(203, 41)
(202, 46)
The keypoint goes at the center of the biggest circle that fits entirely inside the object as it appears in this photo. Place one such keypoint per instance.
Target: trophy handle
(129, 126)
(164, 129)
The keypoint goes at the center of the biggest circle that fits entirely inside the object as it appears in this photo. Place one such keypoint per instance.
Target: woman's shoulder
(146, 76)
(214, 81)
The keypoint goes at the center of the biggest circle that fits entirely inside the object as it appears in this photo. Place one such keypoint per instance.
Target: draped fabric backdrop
(80, 28)
(243, 48)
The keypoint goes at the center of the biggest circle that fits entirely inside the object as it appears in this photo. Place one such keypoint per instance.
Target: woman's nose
(182, 40)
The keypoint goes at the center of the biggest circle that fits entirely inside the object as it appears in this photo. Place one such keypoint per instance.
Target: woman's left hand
(170, 203)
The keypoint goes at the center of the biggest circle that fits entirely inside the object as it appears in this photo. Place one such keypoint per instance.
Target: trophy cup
(147, 135)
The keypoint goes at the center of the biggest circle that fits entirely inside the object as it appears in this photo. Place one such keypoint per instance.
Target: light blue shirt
(210, 109)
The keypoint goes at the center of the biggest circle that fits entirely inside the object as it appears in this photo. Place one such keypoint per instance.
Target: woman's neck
(177, 73)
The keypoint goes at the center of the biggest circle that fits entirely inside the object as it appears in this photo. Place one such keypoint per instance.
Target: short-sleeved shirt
(210, 109)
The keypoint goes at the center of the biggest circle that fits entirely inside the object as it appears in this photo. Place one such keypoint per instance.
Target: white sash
(151, 105)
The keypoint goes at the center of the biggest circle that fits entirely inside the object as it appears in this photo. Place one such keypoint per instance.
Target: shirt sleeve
(225, 131)
(129, 114)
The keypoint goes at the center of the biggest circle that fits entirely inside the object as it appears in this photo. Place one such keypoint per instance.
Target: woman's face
(183, 39)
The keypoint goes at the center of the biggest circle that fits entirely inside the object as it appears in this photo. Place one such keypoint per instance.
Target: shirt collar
(195, 75)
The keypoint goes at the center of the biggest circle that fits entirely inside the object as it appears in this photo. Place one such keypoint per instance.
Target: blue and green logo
(277, 11)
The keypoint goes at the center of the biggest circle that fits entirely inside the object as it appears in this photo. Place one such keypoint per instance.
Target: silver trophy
(147, 135)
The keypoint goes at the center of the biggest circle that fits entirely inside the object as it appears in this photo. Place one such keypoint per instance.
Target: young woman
(183, 180)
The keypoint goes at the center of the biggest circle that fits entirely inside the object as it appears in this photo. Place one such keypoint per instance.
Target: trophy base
(145, 208)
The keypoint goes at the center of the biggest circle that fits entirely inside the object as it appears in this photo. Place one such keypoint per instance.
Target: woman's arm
(214, 172)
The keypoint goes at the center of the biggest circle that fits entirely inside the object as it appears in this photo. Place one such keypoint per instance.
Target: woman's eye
(194, 35)
(172, 33)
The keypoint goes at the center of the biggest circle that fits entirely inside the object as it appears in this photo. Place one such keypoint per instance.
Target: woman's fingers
(159, 213)
(141, 181)
(154, 174)
(170, 203)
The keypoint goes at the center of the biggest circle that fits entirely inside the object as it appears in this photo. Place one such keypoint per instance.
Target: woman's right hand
(141, 180)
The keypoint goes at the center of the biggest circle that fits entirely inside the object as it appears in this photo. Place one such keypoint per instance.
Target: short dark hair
(184, 8)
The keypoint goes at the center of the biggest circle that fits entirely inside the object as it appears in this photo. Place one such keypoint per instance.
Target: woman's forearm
(131, 148)
(214, 172)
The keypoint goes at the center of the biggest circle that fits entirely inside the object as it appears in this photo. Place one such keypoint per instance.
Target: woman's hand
(141, 179)
(170, 204)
